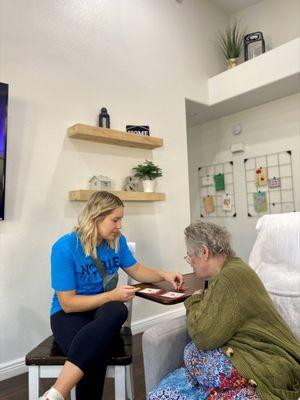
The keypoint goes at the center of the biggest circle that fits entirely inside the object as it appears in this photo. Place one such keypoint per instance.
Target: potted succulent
(231, 43)
(147, 172)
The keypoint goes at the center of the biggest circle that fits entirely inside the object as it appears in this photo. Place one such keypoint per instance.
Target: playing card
(172, 295)
(150, 290)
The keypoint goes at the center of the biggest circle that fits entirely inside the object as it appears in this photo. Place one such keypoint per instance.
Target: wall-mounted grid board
(278, 167)
(211, 170)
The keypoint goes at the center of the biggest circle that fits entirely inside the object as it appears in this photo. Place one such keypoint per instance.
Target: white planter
(149, 186)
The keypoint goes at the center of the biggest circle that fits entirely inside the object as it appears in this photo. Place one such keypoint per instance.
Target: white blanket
(276, 259)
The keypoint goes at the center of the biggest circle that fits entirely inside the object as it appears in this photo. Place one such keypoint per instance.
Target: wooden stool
(46, 361)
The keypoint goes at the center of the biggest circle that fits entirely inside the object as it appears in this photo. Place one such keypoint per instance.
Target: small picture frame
(142, 130)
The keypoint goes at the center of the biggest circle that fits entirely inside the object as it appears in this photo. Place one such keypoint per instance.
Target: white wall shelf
(270, 76)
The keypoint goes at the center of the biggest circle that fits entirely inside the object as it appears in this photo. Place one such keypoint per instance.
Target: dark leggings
(87, 338)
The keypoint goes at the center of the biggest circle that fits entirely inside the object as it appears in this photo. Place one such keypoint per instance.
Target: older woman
(241, 348)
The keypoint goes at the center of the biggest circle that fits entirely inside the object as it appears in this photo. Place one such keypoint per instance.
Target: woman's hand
(123, 293)
(175, 278)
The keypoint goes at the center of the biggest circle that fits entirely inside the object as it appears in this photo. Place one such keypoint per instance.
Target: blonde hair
(213, 236)
(99, 205)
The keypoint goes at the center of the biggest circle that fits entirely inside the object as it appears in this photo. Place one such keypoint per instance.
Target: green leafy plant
(147, 170)
(231, 40)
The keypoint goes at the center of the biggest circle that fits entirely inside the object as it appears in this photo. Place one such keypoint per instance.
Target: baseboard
(143, 324)
(12, 368)
(17, 367)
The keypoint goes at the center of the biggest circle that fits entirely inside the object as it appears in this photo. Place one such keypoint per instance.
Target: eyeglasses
(188, 258)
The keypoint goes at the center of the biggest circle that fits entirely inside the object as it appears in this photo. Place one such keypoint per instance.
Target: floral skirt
(207, 375)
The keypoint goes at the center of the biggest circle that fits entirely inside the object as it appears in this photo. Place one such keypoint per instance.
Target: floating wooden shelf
(110, 136)
(84, 195)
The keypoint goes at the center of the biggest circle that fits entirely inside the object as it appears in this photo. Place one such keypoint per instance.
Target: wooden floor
(17, 388)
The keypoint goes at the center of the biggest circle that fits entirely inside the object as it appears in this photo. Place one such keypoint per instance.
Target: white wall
(265, 126)
(63, 62)
(278, 20)
(269, 128)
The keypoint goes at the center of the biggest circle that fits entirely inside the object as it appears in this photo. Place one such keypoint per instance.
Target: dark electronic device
(251, 38)
(3, 141)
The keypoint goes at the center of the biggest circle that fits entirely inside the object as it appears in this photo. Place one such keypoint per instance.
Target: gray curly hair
(214, 237)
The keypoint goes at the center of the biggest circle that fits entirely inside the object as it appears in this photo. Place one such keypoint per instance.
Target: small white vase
(149, 186)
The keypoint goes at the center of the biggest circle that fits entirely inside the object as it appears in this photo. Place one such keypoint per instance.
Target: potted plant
(231, 42)
(148, 172)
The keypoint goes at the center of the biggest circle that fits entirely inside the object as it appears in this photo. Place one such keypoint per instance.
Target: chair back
(276, 259)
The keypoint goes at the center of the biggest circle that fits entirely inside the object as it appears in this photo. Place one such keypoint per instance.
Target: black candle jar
(104, 119)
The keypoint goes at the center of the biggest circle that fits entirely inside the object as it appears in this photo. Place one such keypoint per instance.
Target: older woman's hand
(175, 278)
(199, 291)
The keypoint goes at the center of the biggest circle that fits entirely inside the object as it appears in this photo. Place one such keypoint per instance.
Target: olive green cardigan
(237, 314)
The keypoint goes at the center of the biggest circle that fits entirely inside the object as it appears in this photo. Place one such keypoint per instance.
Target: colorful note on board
(260, 202)
(261, 176)
(208, 203)
(274, 183)
(219, 182)
(227, 202)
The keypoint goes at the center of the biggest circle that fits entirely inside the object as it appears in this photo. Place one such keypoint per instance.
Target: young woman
(86, 312)
(241, 348)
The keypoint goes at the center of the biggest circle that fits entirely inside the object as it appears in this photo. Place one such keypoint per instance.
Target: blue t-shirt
(71, 269)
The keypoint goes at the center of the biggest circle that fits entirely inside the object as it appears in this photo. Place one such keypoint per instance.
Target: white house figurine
(100, 182)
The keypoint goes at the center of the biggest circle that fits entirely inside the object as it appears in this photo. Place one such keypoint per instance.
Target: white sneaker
(52, 394)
